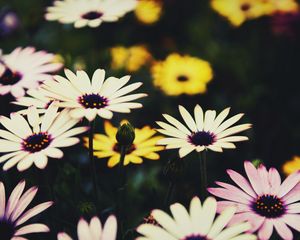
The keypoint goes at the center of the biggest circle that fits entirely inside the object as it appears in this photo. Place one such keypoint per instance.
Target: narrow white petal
(186, 116)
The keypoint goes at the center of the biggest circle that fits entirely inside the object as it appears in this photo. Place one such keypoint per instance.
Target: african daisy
(34, 140)
(144, 145)
(25, 68)
(205, 131)
(90, 13)
(94, 230)
(197, 224)
(89, 98)
(263, 200)
(13, 215)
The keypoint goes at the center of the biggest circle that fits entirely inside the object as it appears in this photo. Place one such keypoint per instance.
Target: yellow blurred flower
(291, 166)
(144, 145)
(182, 75)
(131, 59)
(238, 11)
(148, 11)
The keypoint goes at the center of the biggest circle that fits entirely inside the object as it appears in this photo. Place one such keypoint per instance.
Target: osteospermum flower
(206, 130)
(13, 214)
(148, 11)
(89, 98)
(90, 13)
(291, 166)
(94, 230)
(197, 224)
(144, 146)
(25, 68)
(181, 75)
(131, 59)
(34, 140)
(239, 11)
(263, 200)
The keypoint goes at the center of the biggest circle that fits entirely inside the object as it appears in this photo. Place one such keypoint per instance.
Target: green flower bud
(86, 207)
(257, 162)
(125, 135)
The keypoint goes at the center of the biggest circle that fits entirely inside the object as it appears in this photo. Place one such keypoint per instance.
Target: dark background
(256, 71)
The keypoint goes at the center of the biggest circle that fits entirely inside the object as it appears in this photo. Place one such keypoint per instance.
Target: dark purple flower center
(92, 15)
(195, 237)
(129, 150)
(182, 78)
(9, 77)
(202, 138)
(37, 142)
(245, 7)
(7, 229)
(93, 101)
(269, 206)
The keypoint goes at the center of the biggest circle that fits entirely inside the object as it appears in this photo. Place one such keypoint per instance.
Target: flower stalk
(203, 174)
(92, 161)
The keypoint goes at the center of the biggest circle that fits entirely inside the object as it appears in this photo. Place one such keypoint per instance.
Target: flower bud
(257, 162)
(125, 134)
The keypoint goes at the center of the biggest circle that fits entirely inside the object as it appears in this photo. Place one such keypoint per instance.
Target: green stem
(121, 190)
(169, 194)
(203, 173)
(92, 162)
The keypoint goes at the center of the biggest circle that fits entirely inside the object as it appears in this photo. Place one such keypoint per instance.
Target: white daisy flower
(35, 97)
(89, 98)
(205, 131)
(34, 140)
(25, 68)
(89, 12)
(94, 230)
(13, 215)
(197, 224)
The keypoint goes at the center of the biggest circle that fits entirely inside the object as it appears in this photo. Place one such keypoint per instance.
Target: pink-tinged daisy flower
(25, 68)
(13, 214)
(206, 130)
(33, 140)
(197, 224)
(90, 13)
(89, 98)
(263, 200)
(94, 230)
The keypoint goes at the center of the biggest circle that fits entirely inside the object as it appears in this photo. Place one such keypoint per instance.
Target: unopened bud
(257, 162)
(125, 134)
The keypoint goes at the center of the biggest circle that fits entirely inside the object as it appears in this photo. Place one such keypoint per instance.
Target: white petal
(188, 119)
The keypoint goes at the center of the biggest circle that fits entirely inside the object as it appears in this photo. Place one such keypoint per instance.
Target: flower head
(182, 75)
(25, 68)
(131, 59)
(144, 145)
(13, 214)
(149, 11)
(206, 130)
(197, 224)
(34, 140)
(89, 98)
(90, 13)
(94, 230)
(291, 166)
(263, 200)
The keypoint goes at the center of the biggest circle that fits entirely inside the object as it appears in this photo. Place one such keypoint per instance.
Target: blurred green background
(256, 71)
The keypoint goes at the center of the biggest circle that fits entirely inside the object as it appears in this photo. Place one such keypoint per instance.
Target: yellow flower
(291, 166)
(144, 145)
(238, 11)
(148, 11)
(182, 75)
(131, 59)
